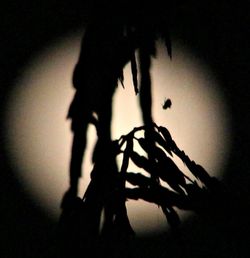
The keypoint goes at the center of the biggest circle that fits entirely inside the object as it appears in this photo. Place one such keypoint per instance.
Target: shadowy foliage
(119, 33)
(160, 182)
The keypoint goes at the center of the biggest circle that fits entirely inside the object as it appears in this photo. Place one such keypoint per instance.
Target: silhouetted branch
(111, 41)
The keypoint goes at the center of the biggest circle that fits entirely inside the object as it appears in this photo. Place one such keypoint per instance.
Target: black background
(217, 31)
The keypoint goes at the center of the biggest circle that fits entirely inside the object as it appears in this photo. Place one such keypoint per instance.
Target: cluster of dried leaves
(160, 181)
(167, 186)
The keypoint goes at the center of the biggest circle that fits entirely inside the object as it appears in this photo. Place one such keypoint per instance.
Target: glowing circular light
(39, 137)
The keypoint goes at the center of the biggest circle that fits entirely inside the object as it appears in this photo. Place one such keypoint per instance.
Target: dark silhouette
(167, 104)
(116, 32)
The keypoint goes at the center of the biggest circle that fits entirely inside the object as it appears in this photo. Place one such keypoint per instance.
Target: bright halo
(39, 137)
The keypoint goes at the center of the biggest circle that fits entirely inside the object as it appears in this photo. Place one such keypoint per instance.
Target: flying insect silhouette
(167, 104)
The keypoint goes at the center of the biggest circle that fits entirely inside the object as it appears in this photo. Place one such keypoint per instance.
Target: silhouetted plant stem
(99, 219)
(107, 191)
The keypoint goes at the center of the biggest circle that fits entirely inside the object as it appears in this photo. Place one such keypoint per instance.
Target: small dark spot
(167, 104)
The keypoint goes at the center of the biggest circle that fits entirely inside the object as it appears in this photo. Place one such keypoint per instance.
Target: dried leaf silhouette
(121, 79)
(122, 224)
(140, 161)
(126, 155)
(160, 140)
(156, 152)
(134, 73)
(170, 173)
(166, 134)
(172, 216)
(140, 180)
